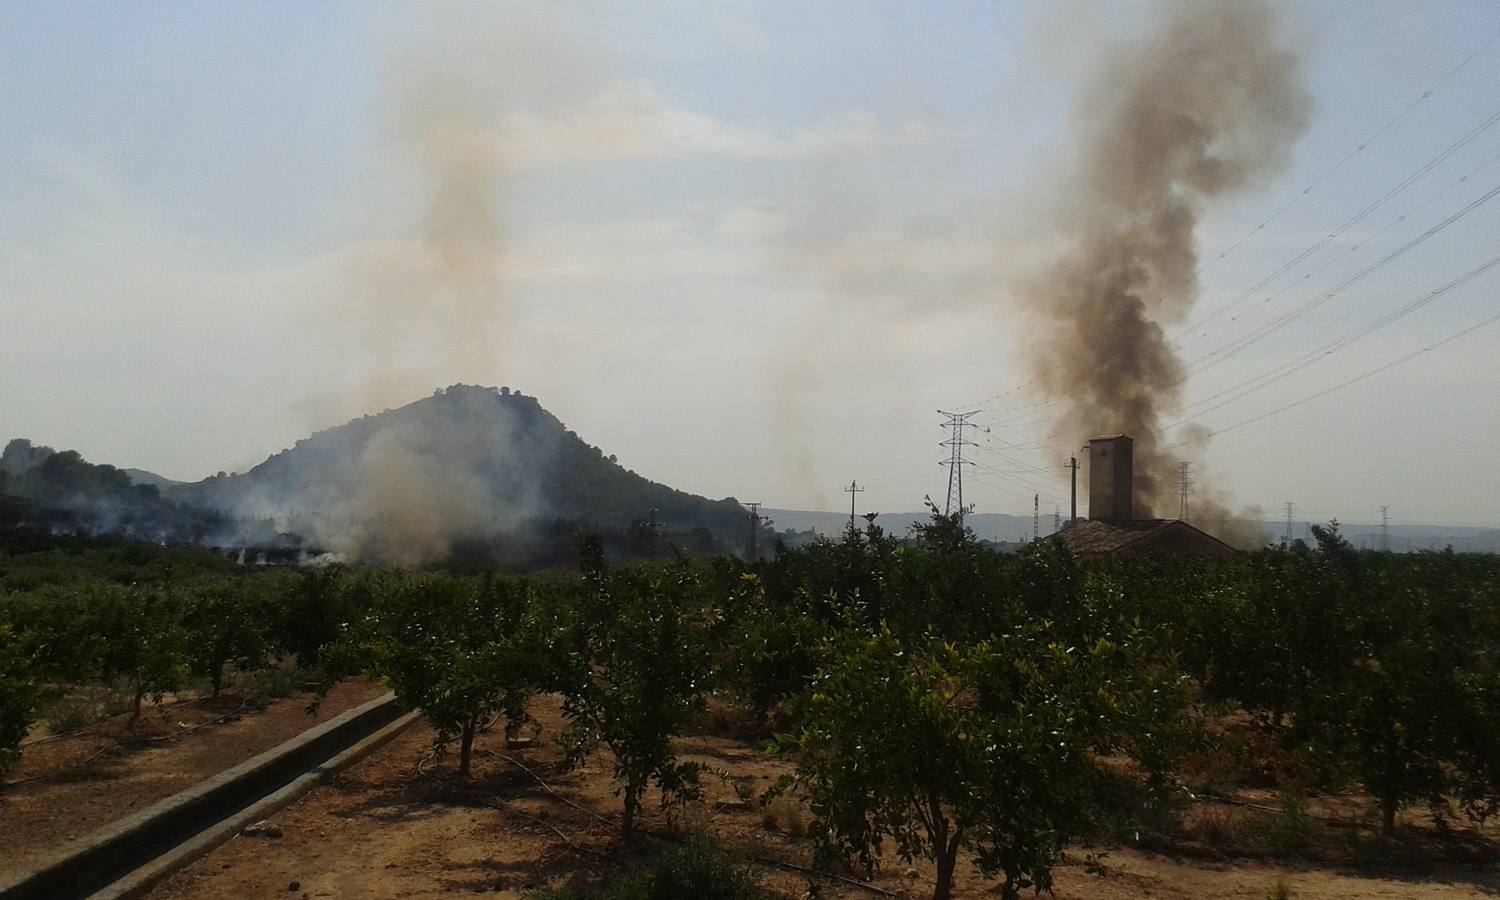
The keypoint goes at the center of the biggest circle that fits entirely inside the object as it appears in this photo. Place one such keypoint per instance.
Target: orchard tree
(633, 665)
(314, 608)
(456, 648)
(767, 652)
(145, 641)
(1409, 710)
(937, 747)
(228, 623)
(18, 697)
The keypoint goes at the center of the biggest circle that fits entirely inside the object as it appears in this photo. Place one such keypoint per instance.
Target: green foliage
(942, 695)
(766, 656)
(315, 608)
(697, 870)
(633, 664)
(146, 642)
(1410, 699)
(18, 697)
(459, 649)
(228, 622)
(936, 746)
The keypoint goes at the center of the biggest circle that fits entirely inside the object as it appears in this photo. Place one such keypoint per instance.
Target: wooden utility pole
(852, 490)
(756, 521)
(1073, 465)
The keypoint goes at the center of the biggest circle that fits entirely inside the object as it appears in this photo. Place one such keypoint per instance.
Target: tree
(769, 652)
(454, 647)
(1407, 708)
(633, 666)
(314, 609)
(938, 746)
(146, 642)
(18, 697)
(227, 621)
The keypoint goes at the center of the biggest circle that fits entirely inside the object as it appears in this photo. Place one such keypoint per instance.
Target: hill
(61, 492)
(477, 473)
(141, 476)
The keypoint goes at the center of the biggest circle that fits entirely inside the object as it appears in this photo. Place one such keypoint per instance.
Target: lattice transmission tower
(955, 462)
(1184, 488)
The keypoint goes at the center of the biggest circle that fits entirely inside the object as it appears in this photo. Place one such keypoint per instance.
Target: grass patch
(785, 815)
(697, 869)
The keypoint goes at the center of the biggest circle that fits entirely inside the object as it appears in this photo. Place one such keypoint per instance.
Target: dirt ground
(65, 788)
(400, 825)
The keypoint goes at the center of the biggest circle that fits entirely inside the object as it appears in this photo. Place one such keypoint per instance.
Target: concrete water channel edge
(128, 857)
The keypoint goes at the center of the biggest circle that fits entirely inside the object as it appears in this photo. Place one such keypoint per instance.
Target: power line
(1398, 220)
(1266, 379)
(1265, 330)
(1465, 332)
(1358, 217)
(1358, 149)
(1026, 486)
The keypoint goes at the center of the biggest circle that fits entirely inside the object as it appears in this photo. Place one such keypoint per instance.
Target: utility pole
(955, 462)
(852, 490)
(1036, 518)
(1184, 488)
(1288, 540)
(1385, 529)
(1073, 512)
(654, 527)
(756, 521)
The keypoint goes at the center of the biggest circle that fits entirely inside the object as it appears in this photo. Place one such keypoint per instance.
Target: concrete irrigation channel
(128, 857)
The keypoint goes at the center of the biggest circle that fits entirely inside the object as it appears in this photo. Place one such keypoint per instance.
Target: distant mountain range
(1001, 527)
(997, 527)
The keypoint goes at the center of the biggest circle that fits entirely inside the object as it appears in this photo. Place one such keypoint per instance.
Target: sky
(749, 248)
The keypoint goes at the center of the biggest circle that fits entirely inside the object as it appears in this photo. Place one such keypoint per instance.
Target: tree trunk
(466, 746)
(1388, 814)
(944, 845)
(140, 691)
(947, 861)
(627, 824)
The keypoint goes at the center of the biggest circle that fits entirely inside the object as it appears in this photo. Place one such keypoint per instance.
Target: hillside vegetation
(478, 476)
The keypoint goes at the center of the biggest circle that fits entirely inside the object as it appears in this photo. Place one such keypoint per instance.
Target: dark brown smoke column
(1206, 106)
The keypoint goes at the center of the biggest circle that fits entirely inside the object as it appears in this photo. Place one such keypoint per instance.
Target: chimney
(1111, 479)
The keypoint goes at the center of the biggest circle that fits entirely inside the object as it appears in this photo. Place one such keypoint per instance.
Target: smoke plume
(1206, 107)
(433, 309)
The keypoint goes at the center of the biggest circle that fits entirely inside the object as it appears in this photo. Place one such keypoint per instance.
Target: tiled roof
(1093, 536)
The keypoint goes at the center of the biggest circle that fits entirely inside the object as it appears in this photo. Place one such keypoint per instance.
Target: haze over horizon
(750, 249)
